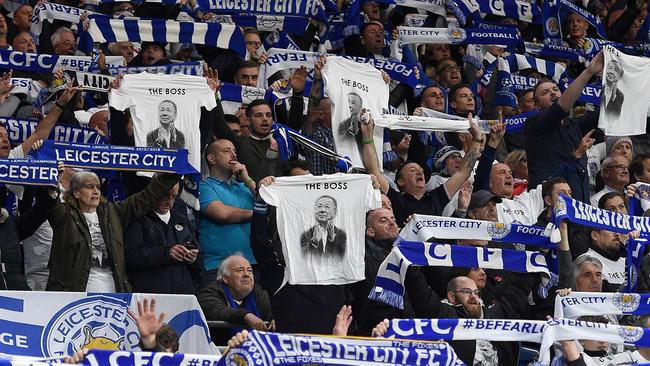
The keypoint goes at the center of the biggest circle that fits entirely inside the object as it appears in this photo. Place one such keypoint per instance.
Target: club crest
(498, 230)
(630, 334)
(627, 303)
(456, 34)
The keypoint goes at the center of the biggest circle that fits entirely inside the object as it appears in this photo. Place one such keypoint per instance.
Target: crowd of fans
(229, 253)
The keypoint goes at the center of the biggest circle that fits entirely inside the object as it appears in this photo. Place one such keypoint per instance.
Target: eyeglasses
(450, 68)
(620, 167)
(468, 292)
(253, 43)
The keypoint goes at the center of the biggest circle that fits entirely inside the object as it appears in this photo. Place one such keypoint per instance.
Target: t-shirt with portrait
(166, 110)
(321, 223)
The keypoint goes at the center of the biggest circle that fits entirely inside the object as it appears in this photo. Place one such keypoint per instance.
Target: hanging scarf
(249, 304)
(389, 283)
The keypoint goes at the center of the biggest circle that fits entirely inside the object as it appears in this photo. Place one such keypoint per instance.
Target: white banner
(55, 324)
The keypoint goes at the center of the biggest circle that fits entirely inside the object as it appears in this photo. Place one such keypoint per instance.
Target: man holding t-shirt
(551, 138)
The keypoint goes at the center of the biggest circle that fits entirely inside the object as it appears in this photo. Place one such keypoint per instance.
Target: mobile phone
(189, 245)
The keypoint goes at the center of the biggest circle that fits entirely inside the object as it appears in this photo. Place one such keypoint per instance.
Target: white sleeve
(373, 196)
(536, 201)
(121, 99)
(208, 99)
(270, 194)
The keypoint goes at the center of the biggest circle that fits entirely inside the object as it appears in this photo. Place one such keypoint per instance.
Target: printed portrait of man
(324, 239)
(351, 126)
(167, 135)
(611, 94)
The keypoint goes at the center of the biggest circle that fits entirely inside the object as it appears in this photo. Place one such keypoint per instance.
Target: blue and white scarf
(517, 9)
(93, 82)
(565, 7)
(464, 10)
(187, 68)
(582, 213)
(425, 227)
(111, 157)
(46, 64)
(40, 172)
(286, 136)
(504, 94)
(26, 86)
(507, 330)
(268, 349)
(398, 71)
(548, 50)
(414, 35)
(578, 304)
(51, 11)
(225, 36)
(164, 2)
(310, 9)
(516, 124)
(518, 62)
(551, 23)
(19, 130)
(389, 283)
(265, 23)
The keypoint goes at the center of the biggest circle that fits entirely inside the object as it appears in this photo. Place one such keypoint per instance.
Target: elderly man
(324, 239)
(161, 252)
(615, 175)
(226, 198)
(612, 97)
(234, 297)
(167, 135)
(64, 42)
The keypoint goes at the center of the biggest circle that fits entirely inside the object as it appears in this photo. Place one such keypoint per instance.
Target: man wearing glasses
(615, 176)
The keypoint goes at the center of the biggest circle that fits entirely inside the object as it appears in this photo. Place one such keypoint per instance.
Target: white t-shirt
(100, 278)
(166, 110)
(522, 209)
(321, 223)
(352, 86)
(596, 197)
(623, 358)
(625, 100)
(613, 271)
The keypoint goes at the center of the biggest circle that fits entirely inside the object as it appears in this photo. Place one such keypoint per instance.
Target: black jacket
(513, 304)
(14, 230)
(149, 266)
(215, 305)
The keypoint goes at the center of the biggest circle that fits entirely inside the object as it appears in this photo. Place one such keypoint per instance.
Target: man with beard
(167, 135)
(463, 301)
(552, 138)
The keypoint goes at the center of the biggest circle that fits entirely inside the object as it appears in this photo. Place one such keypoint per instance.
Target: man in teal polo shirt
(226, 198)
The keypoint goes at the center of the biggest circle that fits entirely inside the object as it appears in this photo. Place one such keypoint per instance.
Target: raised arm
(573, 92)
(369, 154)
(46, 125)
(452, 185)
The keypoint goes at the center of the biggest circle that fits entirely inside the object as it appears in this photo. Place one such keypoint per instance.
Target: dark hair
(539, 83)
(296, 164)
(636, 167)
(231, 118)
(609, 195)
(594, 319)
(452, 91)
(167, 338)
(547, 186)
(642, 321)
(247, 64)
(255, 103)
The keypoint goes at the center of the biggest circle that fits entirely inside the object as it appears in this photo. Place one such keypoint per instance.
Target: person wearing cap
(483, 206)
(446, 162)
(150, 53)
(411, 178)
(619, 145)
